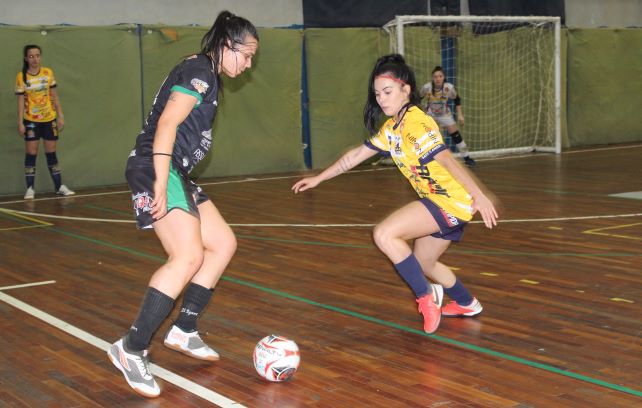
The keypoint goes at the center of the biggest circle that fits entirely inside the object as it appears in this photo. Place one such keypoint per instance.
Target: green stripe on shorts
(176, 196)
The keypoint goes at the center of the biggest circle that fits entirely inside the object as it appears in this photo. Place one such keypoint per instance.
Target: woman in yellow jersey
(39, 117)
(448, 195)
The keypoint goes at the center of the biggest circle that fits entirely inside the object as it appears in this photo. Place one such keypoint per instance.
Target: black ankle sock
(194, 301)
(155, 308)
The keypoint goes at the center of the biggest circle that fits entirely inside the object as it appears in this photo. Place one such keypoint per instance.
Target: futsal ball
(276, 358)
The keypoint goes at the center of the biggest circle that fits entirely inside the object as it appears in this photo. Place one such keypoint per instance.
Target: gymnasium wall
(108, 76)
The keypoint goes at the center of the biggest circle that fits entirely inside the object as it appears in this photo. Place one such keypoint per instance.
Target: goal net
(505, 70)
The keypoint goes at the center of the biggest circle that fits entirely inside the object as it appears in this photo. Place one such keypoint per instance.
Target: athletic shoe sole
(178, 348)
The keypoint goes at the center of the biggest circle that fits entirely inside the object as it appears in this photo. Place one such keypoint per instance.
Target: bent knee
(382, 236)
(189, 261)
(224, 246)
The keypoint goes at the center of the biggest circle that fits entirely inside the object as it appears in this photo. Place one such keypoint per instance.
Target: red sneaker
(429, 306)
(453, 309)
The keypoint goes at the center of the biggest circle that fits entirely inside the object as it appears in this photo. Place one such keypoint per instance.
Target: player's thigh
(180, 234)
(50, 145)
(451, 129)
(216, 234)
(408, 222)
(31, 147)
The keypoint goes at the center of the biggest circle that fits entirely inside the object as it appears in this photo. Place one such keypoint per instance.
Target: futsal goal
(506, 71)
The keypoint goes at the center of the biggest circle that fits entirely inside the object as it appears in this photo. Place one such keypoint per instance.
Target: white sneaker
(65, 191)
(190, 344)
(135, 368)
(30, 194)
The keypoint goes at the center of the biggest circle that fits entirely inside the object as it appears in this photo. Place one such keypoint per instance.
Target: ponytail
(228, 30)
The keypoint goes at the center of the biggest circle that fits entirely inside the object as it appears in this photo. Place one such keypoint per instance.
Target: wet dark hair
(395, 66)
(227, 29)
(432, 81)
(25, 64)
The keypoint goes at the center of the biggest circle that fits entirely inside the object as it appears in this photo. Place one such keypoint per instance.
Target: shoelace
(141, 363)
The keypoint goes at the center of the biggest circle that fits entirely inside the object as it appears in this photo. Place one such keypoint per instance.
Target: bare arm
(481, 202)
(21, 114)
(348, 161)
(179, 105)
(55, 100)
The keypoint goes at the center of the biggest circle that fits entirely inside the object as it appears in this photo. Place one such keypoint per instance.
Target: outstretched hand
(487, 210)
(305, 184)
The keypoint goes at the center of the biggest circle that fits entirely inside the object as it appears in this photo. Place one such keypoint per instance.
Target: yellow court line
(595, 231)
(14, 214)
(530, 282)
(25, 227)
(622, 300)
(488, 273)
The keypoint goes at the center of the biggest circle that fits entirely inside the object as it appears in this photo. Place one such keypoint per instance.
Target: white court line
(588, 217)
(250, 179)
(27, 285)
(212, 183)
(166, 375)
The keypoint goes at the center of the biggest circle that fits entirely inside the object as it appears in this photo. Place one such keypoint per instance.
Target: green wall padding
(339, 66)
(258, 124)
(98, 71)
(604, 85)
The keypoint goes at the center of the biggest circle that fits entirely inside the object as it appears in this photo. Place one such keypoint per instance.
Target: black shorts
(40, 130)
(451, 228)
(182, 192)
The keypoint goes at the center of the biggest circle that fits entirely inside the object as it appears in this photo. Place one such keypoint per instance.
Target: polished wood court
(560, 279)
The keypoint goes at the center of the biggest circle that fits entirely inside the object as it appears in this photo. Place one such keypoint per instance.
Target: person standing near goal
(39, 117)
(176, 136)
(448, 194)
(437, 93)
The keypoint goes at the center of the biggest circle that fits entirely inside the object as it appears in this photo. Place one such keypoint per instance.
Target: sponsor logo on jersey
(199, 85)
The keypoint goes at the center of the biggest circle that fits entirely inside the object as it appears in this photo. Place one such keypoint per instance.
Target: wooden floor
(560, 280)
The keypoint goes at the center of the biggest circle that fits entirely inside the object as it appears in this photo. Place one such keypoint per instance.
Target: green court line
(460, 251)
(346, 312)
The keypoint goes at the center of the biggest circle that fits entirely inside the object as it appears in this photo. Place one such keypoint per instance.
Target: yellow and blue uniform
(413, 144)
(37, 92)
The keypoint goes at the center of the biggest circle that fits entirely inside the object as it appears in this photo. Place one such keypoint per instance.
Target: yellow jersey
(413, 145)
(38, 104)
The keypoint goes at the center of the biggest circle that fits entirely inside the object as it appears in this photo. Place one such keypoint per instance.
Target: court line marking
(101, 344)
(309, 172)
(65, 217)
(27, 285)
(20, 228)
(596, 231)
(468, 346)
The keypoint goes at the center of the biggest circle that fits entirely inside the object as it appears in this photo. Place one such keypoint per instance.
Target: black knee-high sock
(155, 308)
(194, 301)
(54, 169)
(30, 169)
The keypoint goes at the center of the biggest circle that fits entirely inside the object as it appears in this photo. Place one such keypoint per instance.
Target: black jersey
(194, 76)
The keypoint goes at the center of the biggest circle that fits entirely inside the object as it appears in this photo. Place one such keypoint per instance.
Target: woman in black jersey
(199, 243)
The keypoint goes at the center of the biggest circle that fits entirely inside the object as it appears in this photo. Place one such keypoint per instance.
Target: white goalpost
(506, 70)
